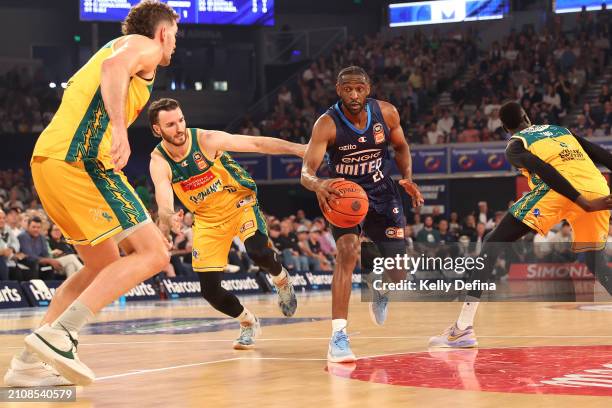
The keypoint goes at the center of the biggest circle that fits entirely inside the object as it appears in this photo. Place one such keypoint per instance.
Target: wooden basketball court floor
(178, 354)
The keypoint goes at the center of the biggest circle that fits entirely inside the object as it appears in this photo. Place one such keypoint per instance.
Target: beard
(354, 109)
(176, 140)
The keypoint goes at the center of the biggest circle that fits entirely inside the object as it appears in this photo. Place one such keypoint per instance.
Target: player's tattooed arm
(223, 141)
(323, 134)
(136, 54)
(164, 195)
(403, 159)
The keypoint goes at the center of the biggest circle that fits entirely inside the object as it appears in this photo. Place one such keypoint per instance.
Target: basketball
(350, 209)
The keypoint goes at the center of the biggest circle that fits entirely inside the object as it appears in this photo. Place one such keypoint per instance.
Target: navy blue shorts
(384, 222)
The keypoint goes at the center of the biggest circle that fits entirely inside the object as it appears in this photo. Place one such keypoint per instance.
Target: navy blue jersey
(362, 156)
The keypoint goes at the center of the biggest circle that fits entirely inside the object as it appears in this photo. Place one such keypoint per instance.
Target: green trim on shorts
(261, 221)
(521, 208)
(208, 268)
(122, 200)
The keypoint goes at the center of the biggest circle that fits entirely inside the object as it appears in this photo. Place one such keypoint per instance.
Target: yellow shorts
(211, 244)
(542, 208)
(88, 203)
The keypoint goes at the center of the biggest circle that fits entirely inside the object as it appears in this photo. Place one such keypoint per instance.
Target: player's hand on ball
(325, 192)
(597, 204)
(413, 191)
(120, 147)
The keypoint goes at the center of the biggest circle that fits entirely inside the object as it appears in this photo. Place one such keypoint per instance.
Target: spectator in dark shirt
(428, 235)
(34, 246)
(286, 242)
(458, 94)
(63, 251)
(604, 96)
(446, 235)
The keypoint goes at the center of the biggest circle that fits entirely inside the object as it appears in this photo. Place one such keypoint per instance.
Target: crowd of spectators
(27, 103)
(546, 71)
(32, 247)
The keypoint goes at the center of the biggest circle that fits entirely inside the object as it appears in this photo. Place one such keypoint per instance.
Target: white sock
(468, 311)
(246, 318)
(338, 325)
(278, 278)
(74, 318)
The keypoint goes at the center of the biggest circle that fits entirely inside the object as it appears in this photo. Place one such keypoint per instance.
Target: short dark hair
(511, 115)
(35, 219)
(163, 104)
(353, 70)
(144, 17)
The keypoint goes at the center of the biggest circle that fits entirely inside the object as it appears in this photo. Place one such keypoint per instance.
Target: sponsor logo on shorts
(395, 210)
(347, 147)
(379, 134)
(195, 182)
(99, 215)
(195, 254)
(536, 212)
(394, 232)
(247, 225)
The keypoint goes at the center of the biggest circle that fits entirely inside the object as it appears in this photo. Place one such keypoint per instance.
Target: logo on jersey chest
(379, 133)
(362, 139)
(202, 195)
(195, 182)
(347, 147)
(363, 156)
(198, 158)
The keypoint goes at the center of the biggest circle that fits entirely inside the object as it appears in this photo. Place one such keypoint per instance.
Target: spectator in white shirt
(434, 135)
(446, 122)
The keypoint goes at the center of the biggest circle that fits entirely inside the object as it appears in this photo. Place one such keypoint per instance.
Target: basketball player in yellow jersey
(566, 184)
(76, 167)
(223, 197)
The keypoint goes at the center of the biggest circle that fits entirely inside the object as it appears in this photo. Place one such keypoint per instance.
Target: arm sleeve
(520, 157)
(597, 153)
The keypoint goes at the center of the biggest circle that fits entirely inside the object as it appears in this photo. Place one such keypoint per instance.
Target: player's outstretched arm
(164, 195)
(323, 132)
(223, 141)
(598, 154)
(403, 159)
(520, 157)
(137, 54)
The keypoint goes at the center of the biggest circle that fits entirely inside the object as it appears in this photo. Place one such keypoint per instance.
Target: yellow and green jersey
(214, 190)
(81, 129)
(557, 146)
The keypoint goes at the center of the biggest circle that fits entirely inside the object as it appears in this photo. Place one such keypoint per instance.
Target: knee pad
(262, 254)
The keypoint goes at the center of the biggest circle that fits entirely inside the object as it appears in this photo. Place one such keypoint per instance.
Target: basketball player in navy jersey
(356, 133)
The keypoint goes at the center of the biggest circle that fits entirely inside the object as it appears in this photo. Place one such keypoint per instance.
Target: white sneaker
(58, 347)
(36, 374)
(248, 334)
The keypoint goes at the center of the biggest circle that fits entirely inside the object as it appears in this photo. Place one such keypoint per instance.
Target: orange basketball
(349, 209)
